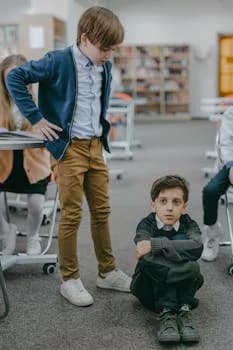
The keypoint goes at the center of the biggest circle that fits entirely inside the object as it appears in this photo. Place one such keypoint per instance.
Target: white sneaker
(9, 240)
(74, 291)
(115, 279)
(211, 244)
(33, 245)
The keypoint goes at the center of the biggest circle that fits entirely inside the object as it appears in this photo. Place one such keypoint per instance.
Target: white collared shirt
(161, 225)
(89, 88)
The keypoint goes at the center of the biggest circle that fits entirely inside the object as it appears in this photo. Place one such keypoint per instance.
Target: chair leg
(6, 208)
(4, 294)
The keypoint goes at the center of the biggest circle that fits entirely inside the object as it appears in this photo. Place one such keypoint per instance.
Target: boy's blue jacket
(57, 77)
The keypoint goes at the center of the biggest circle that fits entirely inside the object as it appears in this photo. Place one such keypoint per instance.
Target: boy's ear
(152, 205)
(83, 39)
(184, 208)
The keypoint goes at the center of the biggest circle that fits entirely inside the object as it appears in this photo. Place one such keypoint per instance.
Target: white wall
(12, 11)
(57, 8)
(181, 21)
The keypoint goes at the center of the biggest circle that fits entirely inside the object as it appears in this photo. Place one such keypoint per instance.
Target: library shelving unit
(156, 76)
(41, 33)
(8, 39)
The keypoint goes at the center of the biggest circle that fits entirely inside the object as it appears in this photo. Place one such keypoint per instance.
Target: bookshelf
(156, 76)
(39, 34)
(8, 39)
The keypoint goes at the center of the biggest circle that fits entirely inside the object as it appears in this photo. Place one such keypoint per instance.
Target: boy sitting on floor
(168, 245)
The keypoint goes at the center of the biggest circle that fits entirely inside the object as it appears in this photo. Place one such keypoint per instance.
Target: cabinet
(225, 71)
(8, 39)
(156, 76)
(39, 34)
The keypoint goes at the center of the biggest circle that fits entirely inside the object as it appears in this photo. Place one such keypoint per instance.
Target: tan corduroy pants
(83, 171)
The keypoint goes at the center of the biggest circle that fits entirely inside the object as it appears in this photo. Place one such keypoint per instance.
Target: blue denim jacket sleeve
(229, 164)
(18, 79)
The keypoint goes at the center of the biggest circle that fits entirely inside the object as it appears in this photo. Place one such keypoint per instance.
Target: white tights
(34, 218)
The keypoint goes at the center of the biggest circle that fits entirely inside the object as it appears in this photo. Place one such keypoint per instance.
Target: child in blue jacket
(74, 88)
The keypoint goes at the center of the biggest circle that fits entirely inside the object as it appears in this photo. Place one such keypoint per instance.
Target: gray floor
(41, 319)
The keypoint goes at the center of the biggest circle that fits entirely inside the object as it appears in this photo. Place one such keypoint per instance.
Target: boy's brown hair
(168, 182)
(101, 26)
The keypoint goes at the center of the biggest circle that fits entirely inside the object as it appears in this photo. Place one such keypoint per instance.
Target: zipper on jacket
(75, 103)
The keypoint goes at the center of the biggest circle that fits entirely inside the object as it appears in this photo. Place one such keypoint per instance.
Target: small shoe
(211, 244)
(115, 279)
(33, 245)
(187, 331)
(74, 291)
(168, 330)
(9, 240)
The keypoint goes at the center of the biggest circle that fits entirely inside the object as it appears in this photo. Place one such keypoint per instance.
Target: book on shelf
(19, 135)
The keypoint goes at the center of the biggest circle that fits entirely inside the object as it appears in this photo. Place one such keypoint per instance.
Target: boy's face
(169, 205)
(94, 53)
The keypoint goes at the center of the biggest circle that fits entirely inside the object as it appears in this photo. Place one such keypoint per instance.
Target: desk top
(17, 144)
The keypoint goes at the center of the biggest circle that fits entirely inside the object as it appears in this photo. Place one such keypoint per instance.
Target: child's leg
(8, 235)
(186, 291)
(216, 187)
(71, 172)
(4, 225)
(34, 219)
(185, 294)
(211, 194)
(166, 302)
(96, 191)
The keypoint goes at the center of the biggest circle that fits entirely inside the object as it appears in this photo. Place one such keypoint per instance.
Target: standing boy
(74, 88)
(168, 245)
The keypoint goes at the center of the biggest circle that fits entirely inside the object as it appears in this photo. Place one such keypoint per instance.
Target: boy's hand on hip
(143, 248)
(231, 175)
(46, 129)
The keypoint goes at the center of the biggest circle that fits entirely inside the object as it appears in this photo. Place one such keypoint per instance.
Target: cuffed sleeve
(156, 245)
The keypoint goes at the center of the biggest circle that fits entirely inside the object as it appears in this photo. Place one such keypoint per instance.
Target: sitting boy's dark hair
(101, 26)
(168, 182)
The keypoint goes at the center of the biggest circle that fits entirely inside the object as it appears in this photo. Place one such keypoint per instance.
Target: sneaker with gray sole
(116, 280)
(74, 291)
(211, 244)
(168, 330)
(188, 333)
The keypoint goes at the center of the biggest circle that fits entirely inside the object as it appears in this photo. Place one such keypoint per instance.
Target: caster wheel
(119, 177)
(48, 269)
(45, 221)
(230, 270)
(12, 209)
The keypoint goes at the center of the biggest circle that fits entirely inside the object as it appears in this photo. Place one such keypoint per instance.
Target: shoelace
(185, 316)
(169, 319)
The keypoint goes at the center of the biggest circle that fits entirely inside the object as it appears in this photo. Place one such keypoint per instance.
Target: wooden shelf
(158, 76)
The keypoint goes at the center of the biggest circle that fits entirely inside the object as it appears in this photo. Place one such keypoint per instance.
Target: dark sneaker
(187, 331)
(168, 330)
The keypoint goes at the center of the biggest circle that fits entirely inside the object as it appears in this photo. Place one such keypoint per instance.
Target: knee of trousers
(71, 216)
(100, 215)
(210, 192)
